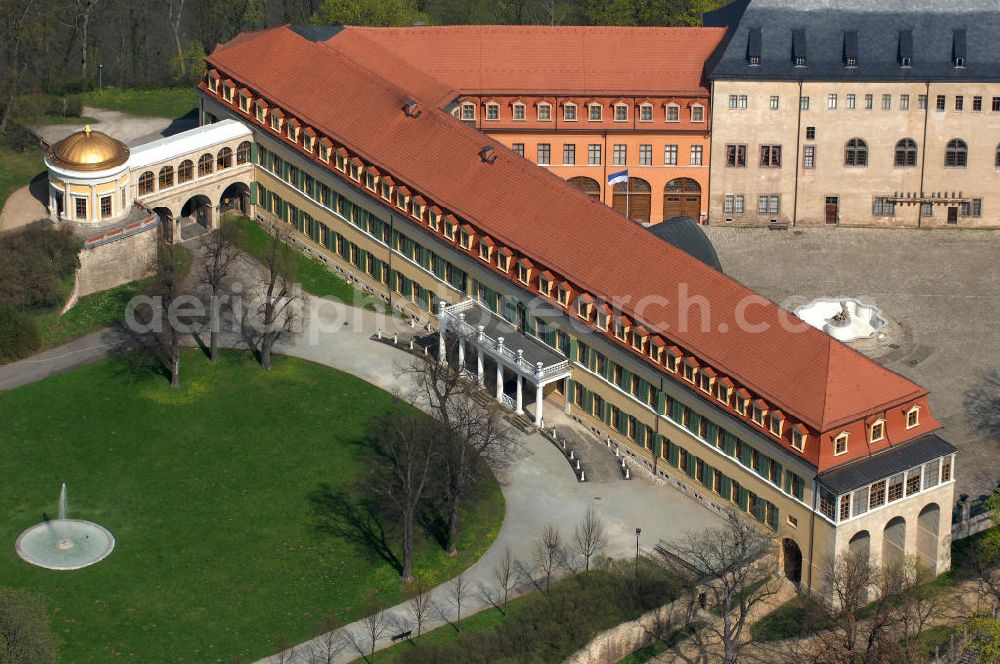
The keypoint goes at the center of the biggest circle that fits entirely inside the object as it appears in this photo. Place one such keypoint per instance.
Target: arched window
(906, 152)
(185, 171)
(166, 177)
(856, 153)
(956, 155)
(225, 159)
(243, 153)
(205, 164)
(146, 185)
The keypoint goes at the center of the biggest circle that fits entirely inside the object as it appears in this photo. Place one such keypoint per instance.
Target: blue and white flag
(620, 176)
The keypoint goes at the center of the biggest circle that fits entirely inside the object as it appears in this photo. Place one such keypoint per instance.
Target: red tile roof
(578, 60)
(807, 374)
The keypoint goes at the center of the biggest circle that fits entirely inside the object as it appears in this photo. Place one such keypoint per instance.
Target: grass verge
(158, 103)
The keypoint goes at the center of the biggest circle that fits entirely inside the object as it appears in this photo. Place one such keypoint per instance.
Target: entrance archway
(894, 542)
(198, 208)
(235, 198)
(792, 556)
(682, 198)
(633, 200)
(928, 523)
(589, 186)
(860, 544)
(166, 222)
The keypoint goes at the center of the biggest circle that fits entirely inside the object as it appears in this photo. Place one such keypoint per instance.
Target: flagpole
(627, 192)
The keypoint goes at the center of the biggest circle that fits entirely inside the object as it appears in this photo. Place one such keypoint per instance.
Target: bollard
(411, 344)
(571, 457)
(578, 464)
(623, 463)
(582, 477)
(627, 475)
(395, 338)
(379, 334)
(425, 350)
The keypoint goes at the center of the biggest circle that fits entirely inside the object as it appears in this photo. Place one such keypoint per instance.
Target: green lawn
(17, 169)
(314, 276)
(212, 492)
(90, 313)
(160, 103)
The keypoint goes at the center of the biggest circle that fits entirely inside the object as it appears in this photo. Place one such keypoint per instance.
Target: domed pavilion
(88, 179)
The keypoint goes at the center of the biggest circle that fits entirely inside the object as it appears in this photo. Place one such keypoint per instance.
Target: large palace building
(568, 302)
(855, 113)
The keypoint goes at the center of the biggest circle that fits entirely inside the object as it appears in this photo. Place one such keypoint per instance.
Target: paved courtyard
(939, 289)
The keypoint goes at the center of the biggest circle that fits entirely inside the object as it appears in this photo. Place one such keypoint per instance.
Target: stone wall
(613, 644)
(118, 262)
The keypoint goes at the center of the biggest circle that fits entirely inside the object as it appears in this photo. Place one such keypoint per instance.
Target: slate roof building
(856, 112)
(691, 374)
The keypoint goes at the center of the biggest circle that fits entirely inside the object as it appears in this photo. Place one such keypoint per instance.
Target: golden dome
(88, 151)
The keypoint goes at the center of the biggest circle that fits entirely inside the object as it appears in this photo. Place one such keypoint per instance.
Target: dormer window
(800, 61)
(723, 390)
(850, 62)
(673, 113)
(621, 112)
(775, 423)
(958, 52)
(355, 169)
(603, 316)
(595, 112)
(492, 111)
(341, 159)
(402, 198)
(503, 260)
(417, 211)
(545, 283)
(656, 349)
(959, 63)
(742, 399)
(276, 119)
(324, 150)
(799, 48)
(292, 130)
(450, 226)
(690, 370)
(245, 101)
(562, 294)
(385, 191)
(434, 218)
(622, 326)
(370, 179)
(758, 411)
(697, 113)
(518, 111)
(851, 49)
(646, 113)
(468, 111)
(260, 112)
(309, 139)
(486, 249)
(673, 357)
(569, 112)
(544, 111)
(754, 60)
(913, 417)
(524, 271)
(213, 82)
(639, 335)
(906, 62)
(227, 92)
(584, 303)
(876, 431)
(705, 380)
(840, 444)
(799, 435)
(465, 237)
(905, 49)
(754, 39)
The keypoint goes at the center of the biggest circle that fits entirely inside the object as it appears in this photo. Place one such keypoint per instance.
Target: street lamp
(100, 79)
(638, 531)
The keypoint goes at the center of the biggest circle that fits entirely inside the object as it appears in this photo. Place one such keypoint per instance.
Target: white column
(442, 333)
(538, 394)
(520, 409)
(499, 370)
(479, 355)
(461, 342)
(567, 405)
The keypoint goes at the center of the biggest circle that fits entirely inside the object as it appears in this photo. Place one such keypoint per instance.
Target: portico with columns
(497, 342)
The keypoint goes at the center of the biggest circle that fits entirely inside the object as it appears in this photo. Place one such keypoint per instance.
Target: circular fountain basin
(862, 321)
(65, 544)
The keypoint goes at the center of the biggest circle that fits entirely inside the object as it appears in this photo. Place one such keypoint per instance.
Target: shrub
(35, 263)
(19, 335)
(18, 137)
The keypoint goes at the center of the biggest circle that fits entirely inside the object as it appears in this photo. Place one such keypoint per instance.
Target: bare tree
(504, 574)
(527, 576)
(175, 14)
(220, 251)
(373, 628)
(921, 603)
(14, 21)
(479, 434)
(286, 652)
(459, 590)
(736, 563)
(549, 553)
(589, 536)
(165, 319)
(329, 645)
(420, 607)
(277, 297)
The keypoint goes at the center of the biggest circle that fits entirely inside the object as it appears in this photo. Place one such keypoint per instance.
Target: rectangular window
(996, 104)
(852, 101)
(733, 100)
(886, 102)
(519, 111)
(670, 155)
(569, 112)
(869, 102)
(946, 469)
(569, 154)
(105, 207)
(620, 154)
(729, 203)
(762, 205)
(770, 156)
(810, 133)
(932, 473)
(645, 154)
(860, 500)
(739, 203)
(895, 487)
(544, 112)
(646, 113)
(845, 508)
(876, 495)
(673, 113)
(883, 207)
(775, 100)
(544, 153)
(922, 102)
(972, 208)
(913, 481)
(977, 104)
(804, 103)
(621, 113)
(940, 103)
(904, 102)
(81, 208)
(742, 102)
(518, 149)
(959, 102)
(809, 156)
(775, 204)
(736, 156)
(831, 101)
(594, 154)
(697, 114)
(696, 155)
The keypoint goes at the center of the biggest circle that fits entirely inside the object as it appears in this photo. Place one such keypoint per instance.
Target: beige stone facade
(814, 184)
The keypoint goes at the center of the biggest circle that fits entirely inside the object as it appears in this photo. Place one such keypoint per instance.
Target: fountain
(844, 320)
(64, 543)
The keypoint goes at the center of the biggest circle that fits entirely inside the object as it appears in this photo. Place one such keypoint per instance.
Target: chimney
(488, 154)
(411, 108)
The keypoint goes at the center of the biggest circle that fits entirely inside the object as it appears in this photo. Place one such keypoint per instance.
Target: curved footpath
(539, 489)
